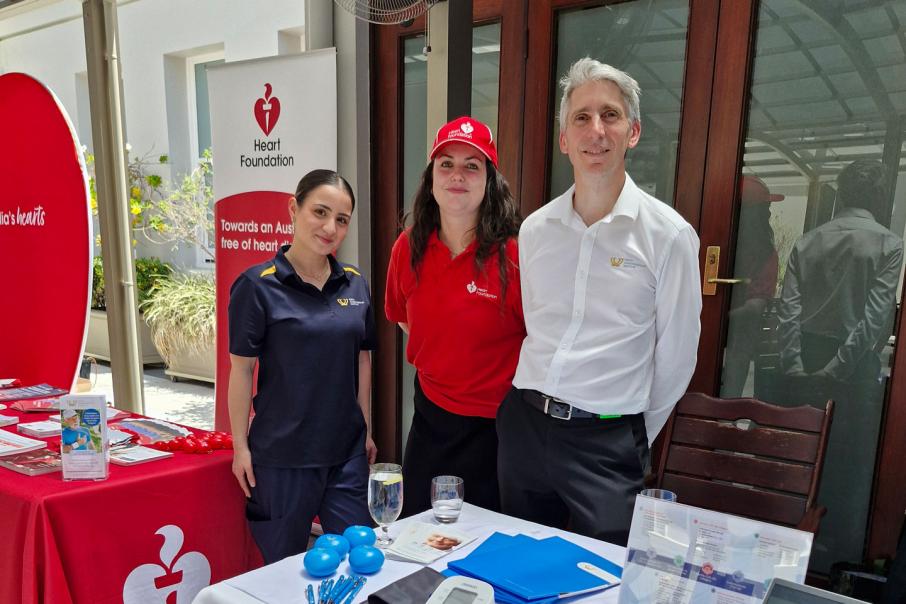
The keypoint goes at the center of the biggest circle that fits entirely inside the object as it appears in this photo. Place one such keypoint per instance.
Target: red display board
(45, 237)
(249, 228)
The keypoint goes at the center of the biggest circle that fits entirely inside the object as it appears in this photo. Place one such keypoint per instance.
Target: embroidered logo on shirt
(349, 302)
(484, 293)
(621, 262)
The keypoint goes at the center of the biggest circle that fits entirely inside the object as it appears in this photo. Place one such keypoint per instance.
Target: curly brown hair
(498, 221)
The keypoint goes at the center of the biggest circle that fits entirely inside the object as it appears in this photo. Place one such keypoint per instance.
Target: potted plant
(181, 313)
(147, 272)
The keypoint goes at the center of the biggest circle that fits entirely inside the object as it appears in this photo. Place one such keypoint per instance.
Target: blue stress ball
(320, 561)
(365, 559)
(335, 542)
(359, 535)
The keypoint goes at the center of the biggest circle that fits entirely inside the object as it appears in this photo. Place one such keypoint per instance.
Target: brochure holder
(84, 442)
(680, 553)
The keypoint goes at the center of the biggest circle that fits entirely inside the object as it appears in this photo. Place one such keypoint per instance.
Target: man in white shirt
(611, 295)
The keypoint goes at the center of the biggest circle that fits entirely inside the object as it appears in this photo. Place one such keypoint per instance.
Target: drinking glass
(385, 497)
(659, 494)
(446, 497)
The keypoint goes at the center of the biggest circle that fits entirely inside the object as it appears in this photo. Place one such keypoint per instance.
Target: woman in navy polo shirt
(453, 286)
(306, 320)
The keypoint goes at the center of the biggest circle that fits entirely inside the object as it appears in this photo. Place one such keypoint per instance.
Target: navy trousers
(285, 501)
(578, 474)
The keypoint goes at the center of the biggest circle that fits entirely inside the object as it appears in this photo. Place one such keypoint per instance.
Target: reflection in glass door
(819, 253)
(485, 88)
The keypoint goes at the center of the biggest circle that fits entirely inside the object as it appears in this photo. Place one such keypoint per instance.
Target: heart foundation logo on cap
(466, 130)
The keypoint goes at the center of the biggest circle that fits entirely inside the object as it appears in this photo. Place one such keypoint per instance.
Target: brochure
(42, 429)
(425, 543)
(11, 443)
(29, 392)
(152, 430)
(33, 463)
(135, 454)
(41, 405)
(84, 436)
(8, 420)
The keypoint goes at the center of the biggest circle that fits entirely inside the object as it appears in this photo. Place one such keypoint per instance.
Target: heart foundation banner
(45, 237)
(272, 121)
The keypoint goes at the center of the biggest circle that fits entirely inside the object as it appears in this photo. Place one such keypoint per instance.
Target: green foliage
(186, 213)
(148, 272)
(98, 298)
(178, 212)
(181, 314)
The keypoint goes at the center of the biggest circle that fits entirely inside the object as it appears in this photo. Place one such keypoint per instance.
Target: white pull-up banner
(272, 121)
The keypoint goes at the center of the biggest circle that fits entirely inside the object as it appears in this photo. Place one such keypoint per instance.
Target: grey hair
(588, 70)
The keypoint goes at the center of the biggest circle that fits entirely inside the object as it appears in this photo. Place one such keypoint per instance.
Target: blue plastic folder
(523, 569)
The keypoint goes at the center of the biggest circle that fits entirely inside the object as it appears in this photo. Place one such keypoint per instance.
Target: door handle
(710, 278)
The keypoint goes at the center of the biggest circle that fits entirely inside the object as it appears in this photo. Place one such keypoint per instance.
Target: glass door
(821, 207)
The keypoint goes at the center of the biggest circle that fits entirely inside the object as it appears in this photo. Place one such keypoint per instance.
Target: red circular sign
(45, 237)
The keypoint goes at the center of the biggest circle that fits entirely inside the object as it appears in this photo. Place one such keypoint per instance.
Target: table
(283, 582)
(163, 527)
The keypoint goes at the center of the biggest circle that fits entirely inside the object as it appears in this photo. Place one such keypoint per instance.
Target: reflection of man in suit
(835, 315)
(839, 290)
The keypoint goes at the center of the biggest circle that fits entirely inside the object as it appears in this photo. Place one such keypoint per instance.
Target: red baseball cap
(469, 131)
(753, 190)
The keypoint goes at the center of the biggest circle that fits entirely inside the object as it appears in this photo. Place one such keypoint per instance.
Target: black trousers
(442, 443)
(581, 474)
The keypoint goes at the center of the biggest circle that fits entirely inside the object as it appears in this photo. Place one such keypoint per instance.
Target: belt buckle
(547, 402)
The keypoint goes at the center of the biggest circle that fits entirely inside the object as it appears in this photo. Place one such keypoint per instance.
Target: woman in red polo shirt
(453, 286)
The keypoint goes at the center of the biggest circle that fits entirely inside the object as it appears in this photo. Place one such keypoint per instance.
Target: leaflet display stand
(680, 553)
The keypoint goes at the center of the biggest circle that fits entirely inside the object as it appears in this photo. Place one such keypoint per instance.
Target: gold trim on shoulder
(349, 269)
(268, 271)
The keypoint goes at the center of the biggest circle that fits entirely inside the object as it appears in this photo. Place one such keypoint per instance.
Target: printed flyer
(83, 444)
(681, 554)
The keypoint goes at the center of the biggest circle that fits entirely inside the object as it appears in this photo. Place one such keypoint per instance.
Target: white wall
(158, 38)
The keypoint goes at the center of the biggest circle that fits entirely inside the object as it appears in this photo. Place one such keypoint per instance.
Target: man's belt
(557, 408)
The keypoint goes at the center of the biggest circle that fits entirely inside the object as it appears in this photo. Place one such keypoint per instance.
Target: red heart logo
(267, 111)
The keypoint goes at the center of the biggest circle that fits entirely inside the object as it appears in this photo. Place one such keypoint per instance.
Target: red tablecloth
(154, 532)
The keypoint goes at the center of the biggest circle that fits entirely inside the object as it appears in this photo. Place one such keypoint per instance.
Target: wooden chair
(746, 457)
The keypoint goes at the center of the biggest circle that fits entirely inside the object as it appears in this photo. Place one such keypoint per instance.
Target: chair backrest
(746, 457)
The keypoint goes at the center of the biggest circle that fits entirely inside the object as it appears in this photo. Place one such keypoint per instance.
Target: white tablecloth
(285, 581)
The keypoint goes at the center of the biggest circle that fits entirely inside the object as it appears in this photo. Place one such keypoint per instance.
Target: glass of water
(385, 497)
(446, 497)
(663, 494)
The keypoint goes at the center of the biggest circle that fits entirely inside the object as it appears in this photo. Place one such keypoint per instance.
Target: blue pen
(322, 591)
(310, 594)
(332, 597)
(356, 591)
(348, 586)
